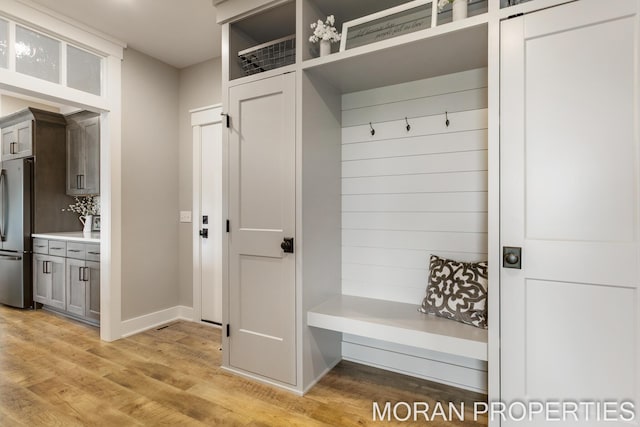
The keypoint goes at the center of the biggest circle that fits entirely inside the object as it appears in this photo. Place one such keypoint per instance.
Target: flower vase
(325, 47)
(459, 9)
(86, 222)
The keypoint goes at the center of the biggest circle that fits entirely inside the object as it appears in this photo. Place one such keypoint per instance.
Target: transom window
(43, 56)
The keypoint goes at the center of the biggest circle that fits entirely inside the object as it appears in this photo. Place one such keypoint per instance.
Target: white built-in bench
(399, 323)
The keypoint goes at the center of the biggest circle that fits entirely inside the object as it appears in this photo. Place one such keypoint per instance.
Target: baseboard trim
(263, 380)
(152, 320)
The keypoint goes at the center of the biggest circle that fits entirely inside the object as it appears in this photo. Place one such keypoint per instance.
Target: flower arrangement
(85, 205)
(324, 31)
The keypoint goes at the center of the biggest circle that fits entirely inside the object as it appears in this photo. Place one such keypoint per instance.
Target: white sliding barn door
(262, 215)
(569, 198)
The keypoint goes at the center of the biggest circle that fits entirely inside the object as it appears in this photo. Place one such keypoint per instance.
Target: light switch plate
(185, 216)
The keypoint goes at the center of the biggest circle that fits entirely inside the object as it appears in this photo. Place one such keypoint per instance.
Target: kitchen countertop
(70, 236)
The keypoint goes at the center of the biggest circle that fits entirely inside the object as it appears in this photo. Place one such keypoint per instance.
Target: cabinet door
(75, 156)
(76, 287)
(92, 155)
(17, 141)
(92, 301)
(83, 157)
(41, 280)
(262, 214)
(58, 281)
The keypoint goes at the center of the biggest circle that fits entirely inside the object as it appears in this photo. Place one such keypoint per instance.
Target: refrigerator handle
(3, 206)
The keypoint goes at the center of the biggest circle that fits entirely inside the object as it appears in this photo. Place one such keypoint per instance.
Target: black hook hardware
(373, 131)
(227, 119)
(446, 116)
(408, 125)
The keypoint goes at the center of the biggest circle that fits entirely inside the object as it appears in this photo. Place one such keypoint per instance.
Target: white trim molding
(199, 117)
(155, 319)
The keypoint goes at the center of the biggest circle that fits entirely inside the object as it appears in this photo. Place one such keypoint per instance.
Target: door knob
(511, 257)
(287, 245)
(204, 233)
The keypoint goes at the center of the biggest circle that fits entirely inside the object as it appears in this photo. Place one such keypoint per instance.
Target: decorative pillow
(457, 291)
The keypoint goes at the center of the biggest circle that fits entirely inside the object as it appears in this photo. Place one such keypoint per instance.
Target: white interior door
(210, 219)
(569, 198)
(262, 215)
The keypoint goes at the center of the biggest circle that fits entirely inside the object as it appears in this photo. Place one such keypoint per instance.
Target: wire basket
(268, 56)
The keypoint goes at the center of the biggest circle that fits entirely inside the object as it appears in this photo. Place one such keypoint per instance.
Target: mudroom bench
(399, 323)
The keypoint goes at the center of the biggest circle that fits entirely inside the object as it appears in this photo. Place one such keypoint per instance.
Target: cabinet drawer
(76, 250)
(93, 252)
(40, 246)
(57, 248)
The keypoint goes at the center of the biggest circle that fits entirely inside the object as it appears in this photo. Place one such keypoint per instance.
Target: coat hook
(373, 131)
(446, 116)
(408, 125)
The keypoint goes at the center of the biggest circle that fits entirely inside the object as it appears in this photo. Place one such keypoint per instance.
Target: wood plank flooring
(56, 372)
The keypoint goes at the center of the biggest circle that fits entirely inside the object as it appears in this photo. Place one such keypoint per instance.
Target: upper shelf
(445, 49)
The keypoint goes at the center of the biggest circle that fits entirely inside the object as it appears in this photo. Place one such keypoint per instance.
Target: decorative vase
(86, 222)
(325, 47)
(459, 9)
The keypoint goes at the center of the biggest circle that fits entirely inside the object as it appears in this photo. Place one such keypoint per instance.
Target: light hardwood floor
(56, 372)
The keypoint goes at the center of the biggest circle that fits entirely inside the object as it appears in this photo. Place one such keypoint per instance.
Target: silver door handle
(10, 257)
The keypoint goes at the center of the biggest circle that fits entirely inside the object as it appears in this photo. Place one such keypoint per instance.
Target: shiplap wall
(409, 194)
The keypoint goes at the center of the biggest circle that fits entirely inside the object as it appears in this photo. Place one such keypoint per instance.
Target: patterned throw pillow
(457, 291)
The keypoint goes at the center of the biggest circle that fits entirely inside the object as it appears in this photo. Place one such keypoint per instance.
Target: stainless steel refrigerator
(15, 232)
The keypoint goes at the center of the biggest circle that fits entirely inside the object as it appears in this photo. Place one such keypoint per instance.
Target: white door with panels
(570, 317)
(262, 228)
(208, 222)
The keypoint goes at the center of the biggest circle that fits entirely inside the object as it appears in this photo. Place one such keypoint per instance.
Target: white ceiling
(178, 32)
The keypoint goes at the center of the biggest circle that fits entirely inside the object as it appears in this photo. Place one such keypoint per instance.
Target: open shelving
(454, 47)
(259, 31)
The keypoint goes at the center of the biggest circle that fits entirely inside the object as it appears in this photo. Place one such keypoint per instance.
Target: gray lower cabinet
(70, 282)
(49, 280)
(83, 288)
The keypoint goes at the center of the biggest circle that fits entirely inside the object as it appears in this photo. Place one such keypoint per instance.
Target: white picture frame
(389, 28)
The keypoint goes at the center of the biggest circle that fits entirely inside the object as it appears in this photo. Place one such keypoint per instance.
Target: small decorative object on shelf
(325, 33)
(458, 8)
(86, 207)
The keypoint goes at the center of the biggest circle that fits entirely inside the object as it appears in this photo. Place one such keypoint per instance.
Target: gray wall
(150, 96)
(10, 104)
(200, 86)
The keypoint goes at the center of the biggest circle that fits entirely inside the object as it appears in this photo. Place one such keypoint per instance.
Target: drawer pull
(53, 249)
(93, 253)
(73, 250)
